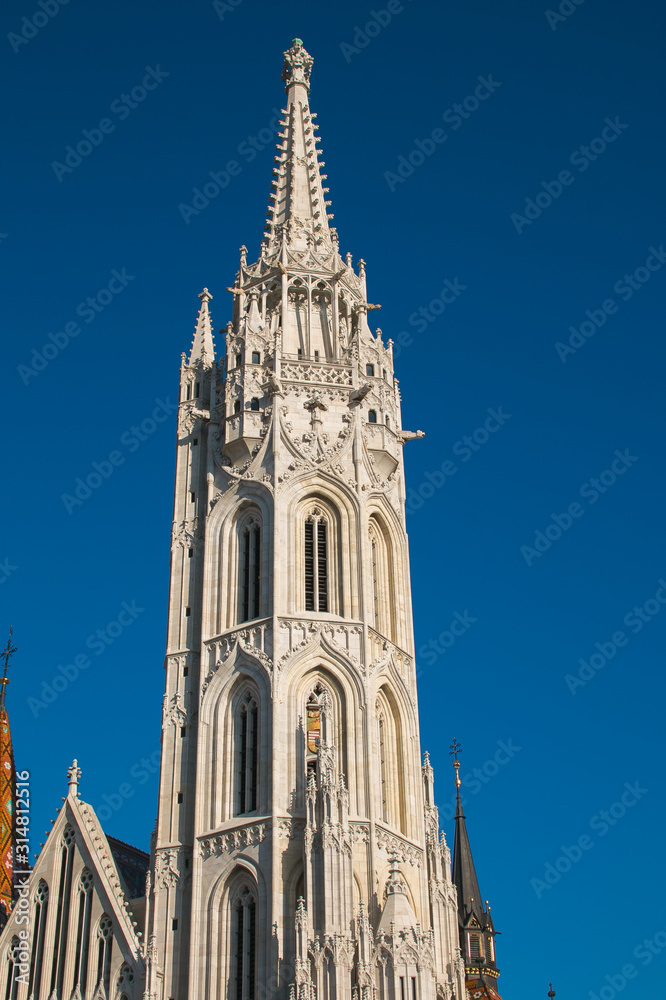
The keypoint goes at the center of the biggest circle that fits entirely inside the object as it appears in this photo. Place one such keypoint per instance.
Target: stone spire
(203, 348)
(298, 212)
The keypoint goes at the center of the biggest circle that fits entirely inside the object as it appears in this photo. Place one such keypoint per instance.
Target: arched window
(475, 952)
(374, 564)
(383, 580)
(237, 406)
(62, 916)
(385, 978)
(372, 416)
(104, 949)
(316, 725)
(390, 754)
(125, 981)
(254, 403)
(244, 943)
(83, 932)
(247, 747)
(13, 971)
(316, 561)
(381, 724)
(250, 571)
(39, 931)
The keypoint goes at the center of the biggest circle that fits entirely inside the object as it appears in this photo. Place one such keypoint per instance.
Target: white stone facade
(297, 850)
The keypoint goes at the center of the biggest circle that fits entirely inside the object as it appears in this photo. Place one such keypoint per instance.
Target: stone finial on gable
(73, 778)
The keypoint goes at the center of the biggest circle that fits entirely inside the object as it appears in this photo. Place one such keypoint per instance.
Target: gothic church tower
(297, 850)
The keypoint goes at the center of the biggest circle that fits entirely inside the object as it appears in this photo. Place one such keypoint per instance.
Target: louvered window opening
(316, 565)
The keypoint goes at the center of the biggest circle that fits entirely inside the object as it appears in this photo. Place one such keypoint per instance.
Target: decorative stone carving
(292, 829)
(173, 711)
(251, 640)
(304, 633)
(398, 848)
(233, 840)
(322, 374)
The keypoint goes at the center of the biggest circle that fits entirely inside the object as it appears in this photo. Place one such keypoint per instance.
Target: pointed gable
(82, 932)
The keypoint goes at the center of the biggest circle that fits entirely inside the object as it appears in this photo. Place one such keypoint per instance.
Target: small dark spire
(4, 680)
(551, 991)
(464, 873)
(475, 925)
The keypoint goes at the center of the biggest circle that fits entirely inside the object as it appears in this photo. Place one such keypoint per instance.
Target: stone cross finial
(297, 65)
(73, 777)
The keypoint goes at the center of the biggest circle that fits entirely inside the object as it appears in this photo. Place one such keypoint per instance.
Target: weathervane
(453, 752)
(4, 680)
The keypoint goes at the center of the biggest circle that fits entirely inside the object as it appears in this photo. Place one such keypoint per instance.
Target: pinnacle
(203, 347)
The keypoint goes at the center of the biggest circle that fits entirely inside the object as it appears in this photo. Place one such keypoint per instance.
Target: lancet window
(244, 943)
(249, 570)
(316, 725)
(62, 922)
(104, 951)
(390, 760)
(316, 561)
(39, 937)
(247, 752)
(85, 899)
(13, 960)
(383, 582)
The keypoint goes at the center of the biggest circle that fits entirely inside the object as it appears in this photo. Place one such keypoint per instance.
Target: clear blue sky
(520, 285)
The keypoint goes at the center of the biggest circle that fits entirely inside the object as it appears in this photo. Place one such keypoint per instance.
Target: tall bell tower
(297, 851)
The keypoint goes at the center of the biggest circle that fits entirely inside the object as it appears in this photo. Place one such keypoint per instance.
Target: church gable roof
(92, 851)
(132, 864)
